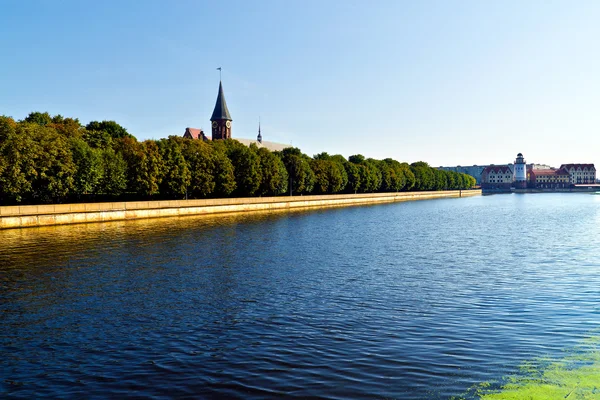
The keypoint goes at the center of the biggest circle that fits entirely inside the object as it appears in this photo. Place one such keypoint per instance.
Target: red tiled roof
(582, 166)
(502, 169)
(549, 172)
(195, 133)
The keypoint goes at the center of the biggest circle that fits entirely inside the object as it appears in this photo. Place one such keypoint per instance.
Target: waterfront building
(580, 173)
(497, 177)
(520, 172)
(549, 178)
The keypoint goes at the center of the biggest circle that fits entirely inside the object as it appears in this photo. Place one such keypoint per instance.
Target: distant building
(521, 175)
(221, 127)
(221, 120)
(474, 170)
(548, 178)
(193, 133)
(497, 177)
(520, 172)
(580, 173)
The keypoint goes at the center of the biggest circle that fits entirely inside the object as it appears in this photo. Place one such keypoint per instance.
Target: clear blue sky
(447, 82)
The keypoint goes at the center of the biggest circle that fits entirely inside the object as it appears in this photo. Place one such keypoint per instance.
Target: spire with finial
(259, 137)
(221, 120)
(220, 111)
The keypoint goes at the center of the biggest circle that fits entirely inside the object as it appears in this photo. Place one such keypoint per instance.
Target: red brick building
(193, 133)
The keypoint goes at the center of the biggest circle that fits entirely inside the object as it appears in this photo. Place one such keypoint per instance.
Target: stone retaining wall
(59, 214)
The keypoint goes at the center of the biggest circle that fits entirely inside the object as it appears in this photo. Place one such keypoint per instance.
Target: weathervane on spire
(219, 73)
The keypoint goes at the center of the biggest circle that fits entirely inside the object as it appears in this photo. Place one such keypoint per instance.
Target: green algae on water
(576, 376)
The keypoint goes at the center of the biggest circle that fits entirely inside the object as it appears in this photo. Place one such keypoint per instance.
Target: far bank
(64, 214)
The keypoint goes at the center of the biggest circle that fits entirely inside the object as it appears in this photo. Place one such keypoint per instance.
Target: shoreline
(15, 217)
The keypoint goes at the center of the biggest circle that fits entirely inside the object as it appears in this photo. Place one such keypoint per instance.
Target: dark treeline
(45, 159)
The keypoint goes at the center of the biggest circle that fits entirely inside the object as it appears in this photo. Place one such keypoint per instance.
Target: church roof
(193, 133)
(221, 111)
(272, 146)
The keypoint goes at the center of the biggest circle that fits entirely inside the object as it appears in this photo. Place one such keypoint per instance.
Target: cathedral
(221, 127)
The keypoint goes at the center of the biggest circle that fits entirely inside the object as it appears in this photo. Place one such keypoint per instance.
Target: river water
(414, 300)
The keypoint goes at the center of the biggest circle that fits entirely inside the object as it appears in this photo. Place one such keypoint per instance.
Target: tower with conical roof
(221, 120)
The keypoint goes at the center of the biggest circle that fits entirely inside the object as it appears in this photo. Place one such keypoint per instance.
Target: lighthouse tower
(520, 174)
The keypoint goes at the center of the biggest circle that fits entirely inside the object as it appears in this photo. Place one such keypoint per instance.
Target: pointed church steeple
(259, 137)
(221, 120)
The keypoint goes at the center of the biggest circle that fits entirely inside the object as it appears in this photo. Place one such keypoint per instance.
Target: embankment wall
(61, 214)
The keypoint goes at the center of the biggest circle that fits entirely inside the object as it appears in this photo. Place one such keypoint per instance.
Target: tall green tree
(246, 166)
(354, 177)
(39, 118)
(297, 164)
(89, 168)
(111, 128)
(113, 180)
(424, 176)
(274, 175)
(176, 176)
(53, 163)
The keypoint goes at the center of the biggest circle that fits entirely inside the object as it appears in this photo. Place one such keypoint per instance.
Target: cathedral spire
(220, 112)
(259, 137)
(221, 120)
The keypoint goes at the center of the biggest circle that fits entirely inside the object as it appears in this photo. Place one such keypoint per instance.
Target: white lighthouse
(520, 174)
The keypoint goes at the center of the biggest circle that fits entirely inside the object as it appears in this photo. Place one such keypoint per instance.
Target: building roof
(498, 169)
(194, 133)
(582, 166)
(272, 146)
(220, 111)
(549, 172)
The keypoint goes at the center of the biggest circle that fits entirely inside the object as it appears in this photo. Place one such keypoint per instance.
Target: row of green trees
(47, 158)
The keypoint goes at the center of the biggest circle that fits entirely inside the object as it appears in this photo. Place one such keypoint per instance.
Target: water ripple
(410, 300)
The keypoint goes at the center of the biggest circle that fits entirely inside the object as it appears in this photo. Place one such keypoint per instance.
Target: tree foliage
(46, 158)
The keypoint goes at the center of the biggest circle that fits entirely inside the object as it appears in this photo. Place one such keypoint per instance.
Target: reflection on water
(406, 300)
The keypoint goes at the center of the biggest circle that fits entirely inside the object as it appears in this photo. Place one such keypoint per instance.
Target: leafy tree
(224, 175)
(320, 168)
(150, 169)
(375, 175)
(370, 175)
(357, 159)
(176, 174)
(302, 177)
(88, 167)
(39, 118)
(441, 182)
(113, 129)
(97, 139)
(69, 127)
(394, 177)
(114, 173)
(274, 175)
(424, 176)
(354, 177)
(328, 176)
(200, 159)
(411, 180)
(17, 161)
(246, 166)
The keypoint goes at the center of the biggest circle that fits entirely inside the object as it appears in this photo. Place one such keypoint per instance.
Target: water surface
(408, 300)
